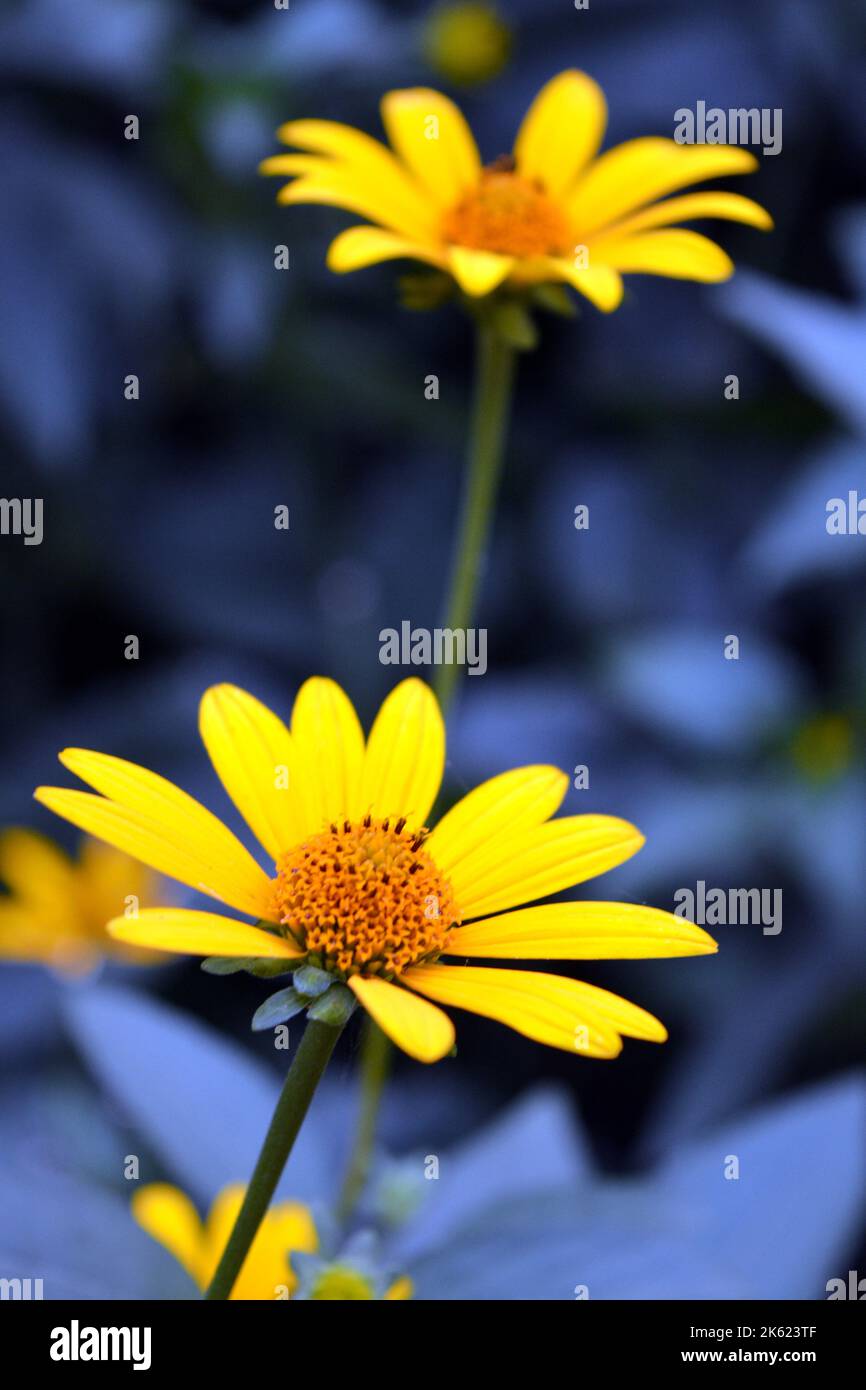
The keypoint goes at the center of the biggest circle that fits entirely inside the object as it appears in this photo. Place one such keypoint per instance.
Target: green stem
(375, 1065)
(494, 377)
(305, 1073)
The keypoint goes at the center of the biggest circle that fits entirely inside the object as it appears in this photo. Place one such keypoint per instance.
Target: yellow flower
(359, 888)
(169, 1216)
(56, 910)
(466, 42)
(553, 211)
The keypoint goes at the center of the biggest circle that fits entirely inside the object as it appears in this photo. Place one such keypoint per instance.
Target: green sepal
(334, 1008)
(514, 325)
(264, 967)
(425, 291)
(555, 299)
(312, 981)
(283, 1005)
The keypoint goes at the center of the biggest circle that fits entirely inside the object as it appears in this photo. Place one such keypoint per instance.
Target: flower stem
(494, 380)
(305, 1073)
(375, 1065)
(494, 377)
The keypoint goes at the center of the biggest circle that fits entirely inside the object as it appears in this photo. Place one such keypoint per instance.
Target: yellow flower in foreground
(466, 42)
(169, 1216)
(359, 888)
(57, 908)
(554, 210)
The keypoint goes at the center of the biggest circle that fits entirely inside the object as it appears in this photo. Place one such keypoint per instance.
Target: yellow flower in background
(359, 887)
(169, 1216)
(56, 908)
(554, 210)
(466, 43)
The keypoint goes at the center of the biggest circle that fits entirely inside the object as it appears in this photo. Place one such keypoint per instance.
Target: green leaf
(280, 1007)
(312, 981)
(334, 1008)
(514, 325)
(264, 967)
(556, 300)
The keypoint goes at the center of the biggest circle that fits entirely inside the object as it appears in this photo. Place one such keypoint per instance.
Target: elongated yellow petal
(512, 801)
(561, 131)
(546, 1008)
(290, 165)
(679, 254)
(253, 755)
(169, 1216)
(638, 172)
(478, 272)
(405, 755)
(176, 817)
(433, 140)
(329, 741)
(400, 1290)
(419, 1028)
(359, 247)
(582, 931)
(541, 861)
(359, 163)
(619, 1013)
(37, 870)
(730, 207)
(599, 283)
(190, 857)
(266, 1272)
(199, 934)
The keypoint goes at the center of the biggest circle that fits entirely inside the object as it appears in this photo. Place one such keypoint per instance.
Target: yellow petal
(418, 1027)
(541, 861)
(108, 877)
(401, 1289)
(582, 931)
(405, 755)
(37, 871)
(365, 172)
(433, 140)
(547, 1008)
(329, 742)
(188, 858)
(266, 1271)
(199, 934)
(253, 755)
(359, 247)
(676, 253)
(478, 272)
(290, 165)
(730, 207)
(561, 131)
(600, 284)
(512, 801)
(638, 172)
(169, 1216)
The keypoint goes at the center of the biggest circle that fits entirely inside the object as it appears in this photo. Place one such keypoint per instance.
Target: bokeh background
(261, 387)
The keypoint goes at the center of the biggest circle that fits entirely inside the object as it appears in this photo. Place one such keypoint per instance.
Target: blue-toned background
(707, 517)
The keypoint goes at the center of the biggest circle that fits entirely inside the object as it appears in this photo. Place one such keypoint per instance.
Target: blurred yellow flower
(823, 747)
(553, 211)
(56, 909)
(359, 887)
(466, 43)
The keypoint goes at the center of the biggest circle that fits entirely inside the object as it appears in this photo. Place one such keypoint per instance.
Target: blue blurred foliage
(707, 518)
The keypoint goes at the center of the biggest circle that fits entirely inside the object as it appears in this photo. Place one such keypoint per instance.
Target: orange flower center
(508, 214)
(365, 898)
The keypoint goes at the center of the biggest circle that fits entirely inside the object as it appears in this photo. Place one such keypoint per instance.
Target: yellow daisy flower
(554, 210)
(168, 1215)
(56, 908)
(359, 888)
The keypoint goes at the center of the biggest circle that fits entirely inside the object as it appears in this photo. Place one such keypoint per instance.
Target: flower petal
(478, 272)
(359, 247)
(600, 284)
(168, 1215)
(418, 1027)
(329, 742)
(405, 755)
(515, 800)
(37, 871)
(547, 1008)
(200, 934)
(431, 136)
(538, 862)
(730, 207)
(287, 1227)
(582, 931)
(253, 756)
(192, 856)
(678, 254)
(561, 131)
(639, 171)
